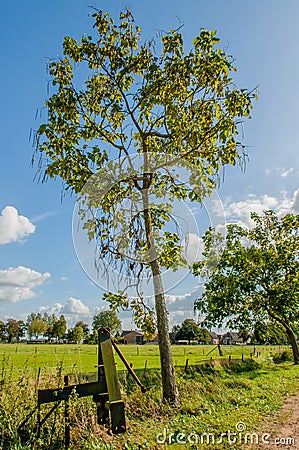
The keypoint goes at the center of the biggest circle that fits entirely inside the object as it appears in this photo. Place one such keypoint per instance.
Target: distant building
(131, 337)
(214, 338)
(231, 338)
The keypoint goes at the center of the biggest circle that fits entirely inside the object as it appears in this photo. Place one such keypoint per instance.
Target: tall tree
(50, 320)
(256, 277)
(2, 331)
(59, 327)
(36, 325)
(189, 330)
(106, 319)
(15, 329)
(76, 334)
(84, 327)
(179, 109)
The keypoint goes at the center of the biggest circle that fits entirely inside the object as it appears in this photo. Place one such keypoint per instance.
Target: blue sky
(39, 269)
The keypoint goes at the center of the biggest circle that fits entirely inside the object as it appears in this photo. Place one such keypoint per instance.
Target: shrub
(280, 357)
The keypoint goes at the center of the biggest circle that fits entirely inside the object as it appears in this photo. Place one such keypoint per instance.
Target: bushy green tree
(269, 332)
(15, 329)
(204, 336)
(76, 334)
(189, 331)
(2, 331)
(59, 327)
(106, 319)
(255, 277)
(173, 108)
(36, 325)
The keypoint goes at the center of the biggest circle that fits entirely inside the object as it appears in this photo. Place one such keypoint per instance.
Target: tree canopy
(106, 319)
(254, 276)
(170, 107)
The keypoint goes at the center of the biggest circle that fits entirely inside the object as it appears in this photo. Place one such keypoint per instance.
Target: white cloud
(183, 302)
(44, 216)
(75, 306)
(193, 247)
(296, 201)
(14, 227)
(286, 172)
(17, 283)
(73, 311)
(52, 309)
(239, 212)
(181, 307)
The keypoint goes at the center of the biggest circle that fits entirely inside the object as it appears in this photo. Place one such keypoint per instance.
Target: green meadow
(83, 358)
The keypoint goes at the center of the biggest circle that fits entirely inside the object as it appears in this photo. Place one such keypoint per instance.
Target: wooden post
(186, 365)
(67, 434)
(38, 421)
(102, 411)
(116, 404)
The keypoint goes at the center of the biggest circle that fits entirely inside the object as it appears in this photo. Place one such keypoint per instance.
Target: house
(231, 338)
(214, 338)
(132, 336)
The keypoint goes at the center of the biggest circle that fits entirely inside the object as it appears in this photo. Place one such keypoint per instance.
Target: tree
(15, 329)
(85, 329)
(50, 321)
(2, 331)
(204, 336)
(269, 333)
(59, 327)
(179, 109)
(36, 325)
(189, 331)
(76, 334)
(106, 319)
(256, 277)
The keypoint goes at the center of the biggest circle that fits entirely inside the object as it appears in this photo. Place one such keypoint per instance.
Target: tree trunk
(290, 333)
(293, 342)
(169, 387)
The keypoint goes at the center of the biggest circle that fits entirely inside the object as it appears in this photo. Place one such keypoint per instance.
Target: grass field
(214, 398)
(83, 358)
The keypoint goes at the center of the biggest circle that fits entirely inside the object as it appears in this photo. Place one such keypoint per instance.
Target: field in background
(214, 398)
(83, 358)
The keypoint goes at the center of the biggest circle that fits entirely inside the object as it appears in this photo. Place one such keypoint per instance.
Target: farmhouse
(231, 338)
(132, 336)
(214, 338)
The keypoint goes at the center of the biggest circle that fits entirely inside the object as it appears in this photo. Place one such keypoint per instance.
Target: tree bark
(169, 387)
(290, 333)
(293, 342)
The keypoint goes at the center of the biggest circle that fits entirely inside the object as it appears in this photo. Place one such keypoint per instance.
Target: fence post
(186, 365)
(66, 417)
(115, 402)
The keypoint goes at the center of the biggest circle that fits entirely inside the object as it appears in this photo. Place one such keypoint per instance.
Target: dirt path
(282, 432)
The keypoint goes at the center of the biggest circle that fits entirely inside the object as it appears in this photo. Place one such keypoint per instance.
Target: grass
(214, 399)
(83, 358)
